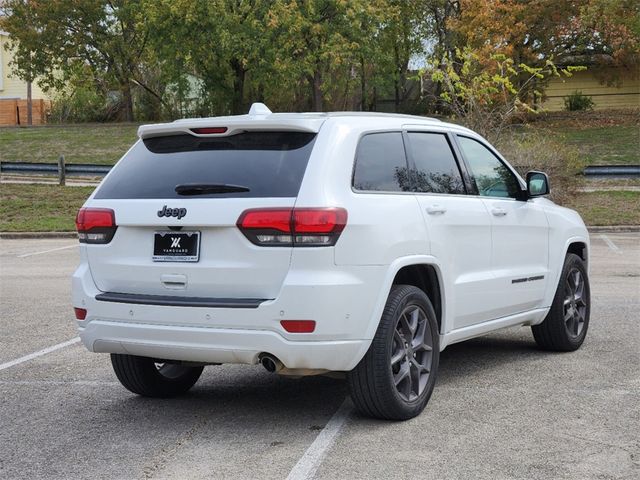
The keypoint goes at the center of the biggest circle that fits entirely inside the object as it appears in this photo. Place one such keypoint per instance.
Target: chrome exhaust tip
(270, 363)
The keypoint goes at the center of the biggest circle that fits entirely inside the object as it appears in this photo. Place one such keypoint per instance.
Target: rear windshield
(268, 164)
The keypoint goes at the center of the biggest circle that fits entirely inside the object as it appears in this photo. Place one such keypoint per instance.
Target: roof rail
(258, 108)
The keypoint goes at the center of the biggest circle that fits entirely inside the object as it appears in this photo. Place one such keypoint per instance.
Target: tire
(565, 326)
(373, 383)
(145, 377)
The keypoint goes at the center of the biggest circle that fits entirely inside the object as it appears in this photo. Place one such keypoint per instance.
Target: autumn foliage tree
(507, 50)
(533, 32)
(613, 31)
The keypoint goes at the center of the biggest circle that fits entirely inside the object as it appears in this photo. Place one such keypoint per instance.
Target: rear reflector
(287, 227)
(209, 130)
(95, 225)
(298, 326)
(81, 313)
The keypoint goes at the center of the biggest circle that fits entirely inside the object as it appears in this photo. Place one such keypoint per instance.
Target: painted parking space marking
(54, 383)
(24, 255)
(610, 244)
(309, 462)
(39, 353)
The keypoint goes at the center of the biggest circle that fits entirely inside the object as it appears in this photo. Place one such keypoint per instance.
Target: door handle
(498, 212)
(436, 209)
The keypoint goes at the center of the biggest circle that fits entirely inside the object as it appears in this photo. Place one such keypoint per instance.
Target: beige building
(621, 91)
(13, 93)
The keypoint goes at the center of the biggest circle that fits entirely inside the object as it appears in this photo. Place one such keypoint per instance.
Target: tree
(440, 15)
(110, 37)
(312, 36)
(526, 31)
(26, 58)
(403, 34)
(531, 34)
(612, 31)
(535, 31)
(219, 42)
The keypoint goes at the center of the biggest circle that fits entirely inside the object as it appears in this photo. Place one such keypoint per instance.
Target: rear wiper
(207, 188)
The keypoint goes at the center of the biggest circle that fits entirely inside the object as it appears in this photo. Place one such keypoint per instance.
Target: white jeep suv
(362, 243)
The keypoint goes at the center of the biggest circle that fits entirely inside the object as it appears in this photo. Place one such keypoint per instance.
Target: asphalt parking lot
(501, 409)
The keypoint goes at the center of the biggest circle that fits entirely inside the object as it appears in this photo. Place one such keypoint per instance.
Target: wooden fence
(14, 111)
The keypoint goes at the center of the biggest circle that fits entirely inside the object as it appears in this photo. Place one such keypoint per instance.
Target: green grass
(40, 208)
(50, 208)
(101, 144)
(608, 208)
(600, 142)
(615, 145)
(600, 139)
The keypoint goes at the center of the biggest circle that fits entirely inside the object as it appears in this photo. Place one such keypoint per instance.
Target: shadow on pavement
(248, 396)
(249, 391)
(485, 354)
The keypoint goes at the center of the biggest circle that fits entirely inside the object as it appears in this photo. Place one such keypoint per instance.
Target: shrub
(578, 102)
(83, 105)
(487, 94)
(527, 149)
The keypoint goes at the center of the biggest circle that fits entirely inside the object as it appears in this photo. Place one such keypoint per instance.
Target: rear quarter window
(381, 163)
(269, 164)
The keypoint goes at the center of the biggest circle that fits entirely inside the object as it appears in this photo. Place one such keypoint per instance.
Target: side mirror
(537, 184)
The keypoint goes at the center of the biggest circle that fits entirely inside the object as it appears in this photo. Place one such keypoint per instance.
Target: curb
(26, 235)
(614, 229)
(18, 235)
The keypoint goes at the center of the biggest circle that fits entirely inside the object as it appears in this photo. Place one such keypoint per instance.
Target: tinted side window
(381, 163)
(492, 177)
(436, 167)
(269, 164)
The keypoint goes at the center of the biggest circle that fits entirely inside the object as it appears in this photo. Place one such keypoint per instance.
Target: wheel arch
(577, 244)
(421, 271)
(425, 277)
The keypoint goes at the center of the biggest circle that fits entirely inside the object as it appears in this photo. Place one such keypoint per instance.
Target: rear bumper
(215, 345)
(341, 301)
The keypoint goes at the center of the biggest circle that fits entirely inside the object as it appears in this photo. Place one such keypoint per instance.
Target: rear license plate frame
(168, 246)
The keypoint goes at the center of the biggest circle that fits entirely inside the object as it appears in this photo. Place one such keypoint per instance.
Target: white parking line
(308, 465)
(47, 251)
(39, 353)
(610, 244)
(45, 383)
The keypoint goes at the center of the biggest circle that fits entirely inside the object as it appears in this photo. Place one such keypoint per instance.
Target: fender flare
(553, 282)
(391, 273)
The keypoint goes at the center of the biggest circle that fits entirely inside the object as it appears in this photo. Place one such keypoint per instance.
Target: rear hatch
(176, 201)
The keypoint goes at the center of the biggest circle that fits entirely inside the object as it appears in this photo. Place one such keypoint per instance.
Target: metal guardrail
(86, 169)
(617, 170)
(80, 169)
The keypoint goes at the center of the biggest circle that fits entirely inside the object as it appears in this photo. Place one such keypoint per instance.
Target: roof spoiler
(259, 118)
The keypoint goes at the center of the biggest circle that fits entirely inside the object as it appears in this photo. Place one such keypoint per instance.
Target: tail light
(293, 227)
(96, 225)
(81, 313)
